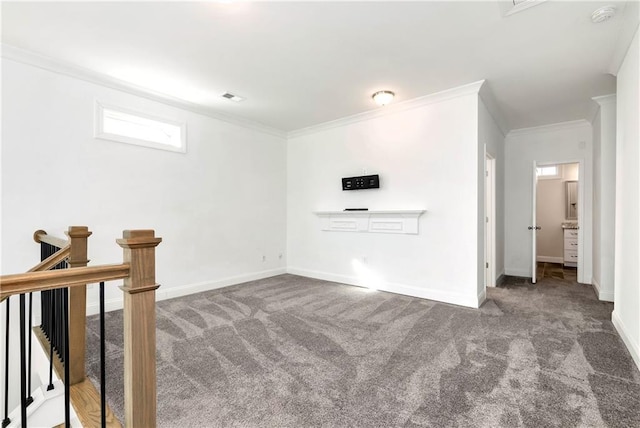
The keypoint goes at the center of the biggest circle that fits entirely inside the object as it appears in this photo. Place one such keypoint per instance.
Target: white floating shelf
(386, 221)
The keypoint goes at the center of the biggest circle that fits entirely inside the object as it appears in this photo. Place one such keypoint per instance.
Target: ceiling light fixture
(383, 97)
(603, 14)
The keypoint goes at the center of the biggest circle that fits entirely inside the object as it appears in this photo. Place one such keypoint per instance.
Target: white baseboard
(482, 296)
(605, 296)
(550, 259)
(517, 272)
(184, 290)
(472, 301)
(633, 348)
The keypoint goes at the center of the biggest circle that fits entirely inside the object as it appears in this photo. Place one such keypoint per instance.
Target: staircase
(51, 356)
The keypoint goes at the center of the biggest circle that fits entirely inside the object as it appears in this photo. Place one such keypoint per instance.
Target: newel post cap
(143, 238)
(78, 232)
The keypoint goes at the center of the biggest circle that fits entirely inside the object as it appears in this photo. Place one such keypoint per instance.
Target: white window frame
(100, 134)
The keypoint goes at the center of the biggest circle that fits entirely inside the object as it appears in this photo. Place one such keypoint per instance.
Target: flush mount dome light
(603, 14)
(383, 97)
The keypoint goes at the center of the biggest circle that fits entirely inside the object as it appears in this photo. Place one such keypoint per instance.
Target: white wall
(489, 134)
(427, 158)
(219, 208)
(569, 141)
(626, 314)
(604, 191)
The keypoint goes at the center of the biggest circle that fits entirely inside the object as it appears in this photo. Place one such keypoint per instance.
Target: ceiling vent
(509, 7)
(603, 14)
(232, 97)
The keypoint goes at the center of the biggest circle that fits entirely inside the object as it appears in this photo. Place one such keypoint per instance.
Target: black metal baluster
(51, 315)
(103, 389)
(57, 324)
(29, 398)
(23, 365)
(6, 421)
(65, 321)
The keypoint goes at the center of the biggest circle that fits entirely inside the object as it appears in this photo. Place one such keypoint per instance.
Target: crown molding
(60, 67)
(493, 107)
(437, 97)
(605, 99)
(602, 101)
(549, 128)
(627, 32)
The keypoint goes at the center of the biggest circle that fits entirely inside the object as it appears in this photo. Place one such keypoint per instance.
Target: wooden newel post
(78, 305)
(140, 327)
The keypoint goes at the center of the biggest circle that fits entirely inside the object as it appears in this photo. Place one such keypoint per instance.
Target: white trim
(602, 295)
(185, 290)
(550, 259)
(605, 99)
(625, 36)
(633, 348)
(492, 106)
(470, 301)
(468, 89)
(549, 128)
(66, 69)
(517, 272)
(602, 101)
(582, 256)
(482, 296)
(490, 213)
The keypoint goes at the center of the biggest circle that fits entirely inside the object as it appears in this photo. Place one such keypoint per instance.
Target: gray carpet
(290, 351)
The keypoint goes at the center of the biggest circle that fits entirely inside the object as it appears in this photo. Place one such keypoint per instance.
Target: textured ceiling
(302, 64)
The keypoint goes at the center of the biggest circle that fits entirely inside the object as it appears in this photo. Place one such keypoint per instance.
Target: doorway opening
(556, 232)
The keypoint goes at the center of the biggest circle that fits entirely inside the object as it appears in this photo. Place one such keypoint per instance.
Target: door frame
(581, 210)
(490, 220)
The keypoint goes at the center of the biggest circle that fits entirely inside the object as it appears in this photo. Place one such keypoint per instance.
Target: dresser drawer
(570, 255)
(570, 244)
(571, 233)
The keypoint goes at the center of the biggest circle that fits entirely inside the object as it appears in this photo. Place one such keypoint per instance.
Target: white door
(533, 228)
(489, 223)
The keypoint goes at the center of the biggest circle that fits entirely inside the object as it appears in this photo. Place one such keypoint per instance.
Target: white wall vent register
(125, 126)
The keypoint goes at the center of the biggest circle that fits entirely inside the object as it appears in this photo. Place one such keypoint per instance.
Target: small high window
(548, 171)
(125, 126)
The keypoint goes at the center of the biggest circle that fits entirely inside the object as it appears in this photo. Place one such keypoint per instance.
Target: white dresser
(571, 247)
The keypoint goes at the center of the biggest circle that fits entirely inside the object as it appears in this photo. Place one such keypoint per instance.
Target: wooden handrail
(52, 260)
(49, 280)
(41, 236)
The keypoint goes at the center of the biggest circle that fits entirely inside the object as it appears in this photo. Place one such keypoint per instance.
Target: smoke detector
(603, 14)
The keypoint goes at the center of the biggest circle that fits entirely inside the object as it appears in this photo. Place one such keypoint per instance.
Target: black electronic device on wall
(362, 182)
